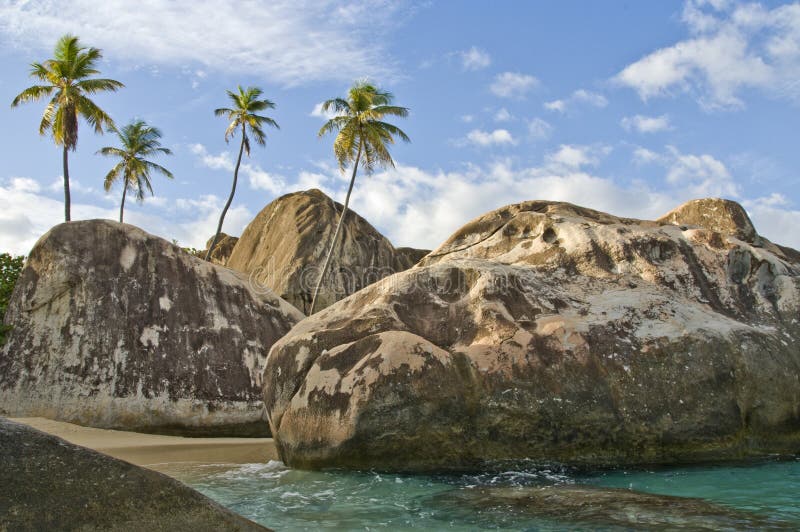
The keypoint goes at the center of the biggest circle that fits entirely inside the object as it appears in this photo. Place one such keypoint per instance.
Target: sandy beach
(159, 452)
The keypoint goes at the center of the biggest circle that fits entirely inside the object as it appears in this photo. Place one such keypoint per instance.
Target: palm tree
(242, 116)
(67, 82)
(138, 141)
(362, 138)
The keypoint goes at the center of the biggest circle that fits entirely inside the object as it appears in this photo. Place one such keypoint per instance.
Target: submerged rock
(116, 328)
(552, 332)
(47, 483)
(284, 249)
(573, 505)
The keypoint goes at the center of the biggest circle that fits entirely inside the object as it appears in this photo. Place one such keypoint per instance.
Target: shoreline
(155, 451)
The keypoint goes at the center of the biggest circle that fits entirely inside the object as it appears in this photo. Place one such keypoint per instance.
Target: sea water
(287, 499)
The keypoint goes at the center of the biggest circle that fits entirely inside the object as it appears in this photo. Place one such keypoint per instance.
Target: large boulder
(47, 483)
(550, 332)
(222, 250)
(284, 248)
(116, 328)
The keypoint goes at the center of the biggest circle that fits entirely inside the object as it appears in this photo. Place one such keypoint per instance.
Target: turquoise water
(287, 499)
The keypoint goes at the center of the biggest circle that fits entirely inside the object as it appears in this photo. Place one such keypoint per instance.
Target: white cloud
(258, 178)
(775, 219)
(282, 40)
(502, 115)
(490, 138)
(538, 129)
(513, 84)
(697, 175)
(580, 96)
(27, 211)
(556, 105)
(467, 119)
(475, 59)
(733, 47)
(574, 157)
(703, 175)
(646, 124)
(318, 112)
(644, 156)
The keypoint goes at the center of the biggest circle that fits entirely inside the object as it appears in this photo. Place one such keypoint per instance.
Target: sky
(627, 107)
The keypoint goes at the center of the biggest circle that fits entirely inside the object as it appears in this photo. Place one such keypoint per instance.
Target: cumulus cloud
(732, 47)
(574, 157)
(774, 218)
(539, 129)
(579, 97)
(699, 175)
(646, 124)
(258, 178)
(481, 138)
(503, 115)
(475, 59)
(513, 85)
(284, 40)
(318, 112)
(28, 210)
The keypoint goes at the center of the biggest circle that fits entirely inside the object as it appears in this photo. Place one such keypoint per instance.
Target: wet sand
(159, 452)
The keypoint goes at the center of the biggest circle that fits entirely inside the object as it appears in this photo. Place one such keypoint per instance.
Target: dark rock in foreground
(284, 249)
(47, 483)
(116, 328)
(555, 333)
(594, 507)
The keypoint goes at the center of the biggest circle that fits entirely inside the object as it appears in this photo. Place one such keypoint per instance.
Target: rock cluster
(116, 328)
(553, 332)
(284, 249)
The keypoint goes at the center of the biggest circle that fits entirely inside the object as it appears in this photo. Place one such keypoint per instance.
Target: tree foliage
(10, 269)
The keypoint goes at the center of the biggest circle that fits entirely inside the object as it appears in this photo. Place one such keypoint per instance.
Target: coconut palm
(242, 116)
(137, 142)
(361, 139)
(67, 81)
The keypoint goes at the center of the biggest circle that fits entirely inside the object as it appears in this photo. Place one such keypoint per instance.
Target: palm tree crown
(138, 141)
(361, 128)
(362, 138)
(242, 116)
(66, 80)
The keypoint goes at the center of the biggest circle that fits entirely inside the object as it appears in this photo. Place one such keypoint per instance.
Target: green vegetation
(67, 81)
(242, 116)
(10, 268)
(362, 138)
(138, 141)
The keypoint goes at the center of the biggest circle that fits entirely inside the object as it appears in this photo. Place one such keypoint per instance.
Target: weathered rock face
(551, 332)
(223, 249)
(592, 508)
(718, 215)
(116, 328)
(47, 483)
(284, 249)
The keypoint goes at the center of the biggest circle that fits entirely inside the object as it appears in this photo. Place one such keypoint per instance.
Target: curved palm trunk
(64, 161)
(122, 205)
(230, 199)
(336, 234)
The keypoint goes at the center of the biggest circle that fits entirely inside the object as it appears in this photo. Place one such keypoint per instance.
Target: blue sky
(626, 107)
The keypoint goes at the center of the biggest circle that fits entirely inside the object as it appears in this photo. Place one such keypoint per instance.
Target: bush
(10, 268)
